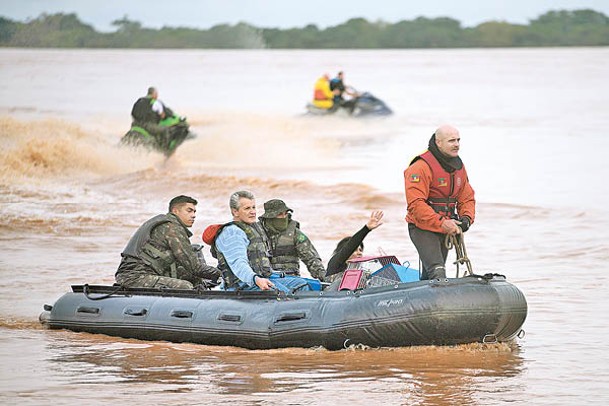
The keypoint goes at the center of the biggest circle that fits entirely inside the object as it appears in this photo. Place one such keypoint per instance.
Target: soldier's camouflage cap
(274, 207)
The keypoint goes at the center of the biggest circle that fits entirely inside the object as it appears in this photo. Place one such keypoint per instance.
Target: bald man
(440, 199)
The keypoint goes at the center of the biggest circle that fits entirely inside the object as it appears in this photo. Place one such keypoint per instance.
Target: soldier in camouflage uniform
(287, 243)
(160, 254)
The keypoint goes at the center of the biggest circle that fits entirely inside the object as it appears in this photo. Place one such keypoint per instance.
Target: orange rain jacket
(418, 178)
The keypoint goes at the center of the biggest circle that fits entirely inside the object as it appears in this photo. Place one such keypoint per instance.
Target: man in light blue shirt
(243, 254)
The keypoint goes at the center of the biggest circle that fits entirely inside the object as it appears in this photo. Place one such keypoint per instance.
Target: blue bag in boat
(398, 273)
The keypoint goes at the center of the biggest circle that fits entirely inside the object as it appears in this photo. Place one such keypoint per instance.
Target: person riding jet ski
(155, 125)
(323, 97)
(337, 86)
(328, 100)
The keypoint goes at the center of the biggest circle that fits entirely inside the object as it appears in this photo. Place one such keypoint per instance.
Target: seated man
(322, 95)
(160, 254)
(288, 244)
(337, 85)
(148, 111)
(242, 251)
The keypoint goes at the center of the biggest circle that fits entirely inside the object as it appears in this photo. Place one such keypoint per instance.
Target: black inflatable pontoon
(438, 312)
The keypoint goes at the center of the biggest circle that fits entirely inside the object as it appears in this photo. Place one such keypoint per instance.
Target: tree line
(555, 28)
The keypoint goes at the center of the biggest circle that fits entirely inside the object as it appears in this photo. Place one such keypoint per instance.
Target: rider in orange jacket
(322, 95)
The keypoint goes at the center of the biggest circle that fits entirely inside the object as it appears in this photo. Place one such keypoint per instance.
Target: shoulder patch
(415, 178)
(301, 237)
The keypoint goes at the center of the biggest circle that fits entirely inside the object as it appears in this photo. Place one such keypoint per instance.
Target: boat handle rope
(458, 242)
(86, 292)
(489, 339)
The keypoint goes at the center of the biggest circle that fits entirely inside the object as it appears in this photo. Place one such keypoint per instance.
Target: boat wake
(54, 148)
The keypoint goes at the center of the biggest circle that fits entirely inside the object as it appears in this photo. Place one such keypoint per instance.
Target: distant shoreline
(576, 28)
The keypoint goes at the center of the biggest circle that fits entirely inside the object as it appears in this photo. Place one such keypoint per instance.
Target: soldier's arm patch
(301, 237)
(414, 178)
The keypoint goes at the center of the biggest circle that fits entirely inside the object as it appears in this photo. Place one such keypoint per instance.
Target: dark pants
(432, 251)
(346, 104)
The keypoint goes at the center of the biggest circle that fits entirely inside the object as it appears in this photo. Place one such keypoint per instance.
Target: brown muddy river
(532, 125)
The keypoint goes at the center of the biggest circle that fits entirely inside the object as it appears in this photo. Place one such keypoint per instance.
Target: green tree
(58, 30)
(497, 34)
(554, 28)
(579, 27)
(355, 33)
(8, 28)
(424, 33)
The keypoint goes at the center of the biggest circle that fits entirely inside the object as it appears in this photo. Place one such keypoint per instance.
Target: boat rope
(86, 292)
(458, 242)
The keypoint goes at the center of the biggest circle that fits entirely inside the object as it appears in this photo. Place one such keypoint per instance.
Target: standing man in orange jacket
(440, 199)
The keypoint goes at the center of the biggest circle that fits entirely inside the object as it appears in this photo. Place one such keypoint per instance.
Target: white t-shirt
(158, 107)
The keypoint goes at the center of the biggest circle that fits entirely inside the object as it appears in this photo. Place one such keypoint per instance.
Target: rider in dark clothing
(344, 250)
(147, 112)
(338, 84)
(351, 247)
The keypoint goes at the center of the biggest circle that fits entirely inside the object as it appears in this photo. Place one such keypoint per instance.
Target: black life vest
(142, 111)
(143, 247)
(337, 83)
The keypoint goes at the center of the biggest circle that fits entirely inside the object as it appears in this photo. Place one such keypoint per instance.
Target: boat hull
(439, 312)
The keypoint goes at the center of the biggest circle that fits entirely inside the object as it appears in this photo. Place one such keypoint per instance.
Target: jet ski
(366, 105)
(165, 142)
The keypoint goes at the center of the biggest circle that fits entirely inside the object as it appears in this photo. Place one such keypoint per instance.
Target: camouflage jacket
(167, 251)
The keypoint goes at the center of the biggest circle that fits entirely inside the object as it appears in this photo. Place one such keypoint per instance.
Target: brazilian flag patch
(301, 237)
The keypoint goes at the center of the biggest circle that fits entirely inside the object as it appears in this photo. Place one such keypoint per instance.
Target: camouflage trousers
(151, 281)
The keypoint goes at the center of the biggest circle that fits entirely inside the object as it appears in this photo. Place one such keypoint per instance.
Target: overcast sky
(289, 13)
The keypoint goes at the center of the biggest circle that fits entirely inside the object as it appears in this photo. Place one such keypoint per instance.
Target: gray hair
(233, 202)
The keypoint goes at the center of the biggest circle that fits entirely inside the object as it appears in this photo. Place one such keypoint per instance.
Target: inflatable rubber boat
(376, 309)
